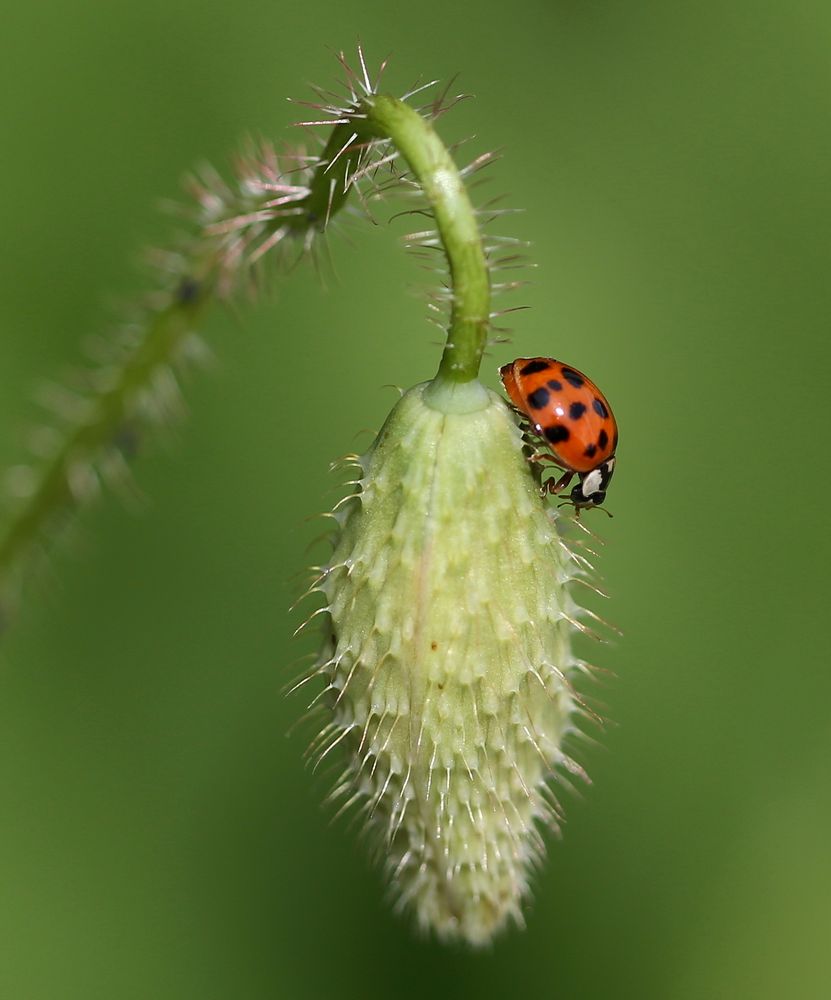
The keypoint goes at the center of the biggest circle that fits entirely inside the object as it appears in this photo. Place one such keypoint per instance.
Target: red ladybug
(573, 417)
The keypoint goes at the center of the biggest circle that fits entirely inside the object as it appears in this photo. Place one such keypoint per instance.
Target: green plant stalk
(109, 411)
(456, 222)
(387, 117)
(371, 118)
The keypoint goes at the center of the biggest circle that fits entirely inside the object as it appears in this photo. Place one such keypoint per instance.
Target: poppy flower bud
(448, 657)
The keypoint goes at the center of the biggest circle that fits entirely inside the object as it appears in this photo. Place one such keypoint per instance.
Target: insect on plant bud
(448, 659)
(446, 678)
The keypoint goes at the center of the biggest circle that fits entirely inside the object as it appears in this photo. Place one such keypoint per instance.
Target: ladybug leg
(552, 485)
(544, 456)
(561, 483)
(555, 486)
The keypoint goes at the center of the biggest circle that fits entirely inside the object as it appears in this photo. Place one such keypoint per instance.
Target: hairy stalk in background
(278, 205)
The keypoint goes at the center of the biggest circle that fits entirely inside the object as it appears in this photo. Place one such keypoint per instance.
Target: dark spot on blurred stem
(188, 291)
(127, 440)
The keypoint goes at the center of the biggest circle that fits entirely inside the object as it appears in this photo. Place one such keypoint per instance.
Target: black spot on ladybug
(602, 440)
(572, 377)
(538, 398)
(590, 451)
(555, 385)
(535, 366)
(599, 408)
(576, 410)
(556, 433)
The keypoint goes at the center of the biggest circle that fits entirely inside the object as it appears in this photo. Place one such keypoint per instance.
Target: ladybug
(573, 417)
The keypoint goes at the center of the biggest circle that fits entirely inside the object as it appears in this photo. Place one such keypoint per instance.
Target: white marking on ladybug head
(592, 482)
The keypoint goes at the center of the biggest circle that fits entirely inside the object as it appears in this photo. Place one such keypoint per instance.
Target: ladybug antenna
(579, 507)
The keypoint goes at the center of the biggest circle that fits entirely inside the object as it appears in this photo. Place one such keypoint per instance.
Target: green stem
(235, 228)
(458, 228)
(110, 412)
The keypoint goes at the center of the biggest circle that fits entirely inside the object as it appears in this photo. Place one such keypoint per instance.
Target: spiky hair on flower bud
(448, 667)
(446, 681)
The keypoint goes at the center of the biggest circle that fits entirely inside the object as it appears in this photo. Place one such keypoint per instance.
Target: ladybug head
(591, 490)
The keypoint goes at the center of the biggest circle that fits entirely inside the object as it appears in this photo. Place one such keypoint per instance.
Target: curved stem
(444, 188)
(276, 203)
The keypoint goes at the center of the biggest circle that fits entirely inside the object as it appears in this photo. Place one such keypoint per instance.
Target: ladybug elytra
(571, 415)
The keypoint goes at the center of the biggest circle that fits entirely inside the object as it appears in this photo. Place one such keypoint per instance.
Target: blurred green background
(159, 836)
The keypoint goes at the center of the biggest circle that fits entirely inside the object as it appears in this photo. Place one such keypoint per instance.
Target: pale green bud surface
(448, 659)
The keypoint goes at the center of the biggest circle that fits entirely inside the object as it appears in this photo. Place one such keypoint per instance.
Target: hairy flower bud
(448, 658)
